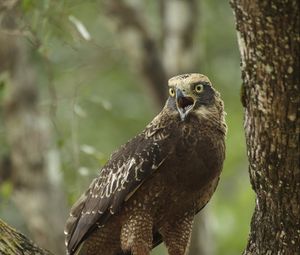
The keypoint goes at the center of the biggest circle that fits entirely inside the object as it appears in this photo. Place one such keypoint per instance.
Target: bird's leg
(104, 241)
(136, 234)
(140, 248)
(177, 235)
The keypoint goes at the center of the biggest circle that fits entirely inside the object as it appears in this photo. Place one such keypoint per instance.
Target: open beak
(184, 104)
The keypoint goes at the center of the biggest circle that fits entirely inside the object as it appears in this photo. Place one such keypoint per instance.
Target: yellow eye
(199, 88)
(172, 92)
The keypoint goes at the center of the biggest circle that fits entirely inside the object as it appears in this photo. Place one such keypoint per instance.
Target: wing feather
(118, 180)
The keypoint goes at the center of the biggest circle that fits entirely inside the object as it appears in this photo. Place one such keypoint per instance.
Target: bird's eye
(199, 88)
(172, 92)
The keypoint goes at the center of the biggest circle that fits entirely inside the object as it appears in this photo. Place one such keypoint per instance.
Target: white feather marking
(111, 180)
(116, 180)
(131, 163)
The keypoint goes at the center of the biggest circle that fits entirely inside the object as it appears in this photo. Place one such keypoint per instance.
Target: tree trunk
(269, 39)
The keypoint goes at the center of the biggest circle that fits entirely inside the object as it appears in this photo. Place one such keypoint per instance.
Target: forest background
(93, 97)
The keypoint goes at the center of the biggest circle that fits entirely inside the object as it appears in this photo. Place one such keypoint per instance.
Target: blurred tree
(157, 55)
(34, 161)
(269, 41)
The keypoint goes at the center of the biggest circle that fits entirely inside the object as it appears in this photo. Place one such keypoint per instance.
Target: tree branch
(13, 242)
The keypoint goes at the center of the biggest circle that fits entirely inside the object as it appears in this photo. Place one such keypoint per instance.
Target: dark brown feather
(123, 173)
(151, 188)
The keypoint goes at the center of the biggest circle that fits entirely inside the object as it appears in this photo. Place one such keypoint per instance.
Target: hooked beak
(184, 104)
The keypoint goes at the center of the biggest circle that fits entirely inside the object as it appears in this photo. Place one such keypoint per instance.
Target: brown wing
(118, 179)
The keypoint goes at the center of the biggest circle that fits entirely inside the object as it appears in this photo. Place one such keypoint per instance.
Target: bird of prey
(151, 188)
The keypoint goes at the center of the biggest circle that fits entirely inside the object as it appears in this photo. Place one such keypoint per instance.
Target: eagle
(152, 187)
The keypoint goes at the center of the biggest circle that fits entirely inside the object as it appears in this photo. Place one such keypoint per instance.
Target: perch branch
(13, 242)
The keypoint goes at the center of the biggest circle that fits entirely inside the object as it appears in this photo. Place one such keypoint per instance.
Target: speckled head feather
(187, 79)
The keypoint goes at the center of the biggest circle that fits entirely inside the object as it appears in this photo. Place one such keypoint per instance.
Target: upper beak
(184, 104)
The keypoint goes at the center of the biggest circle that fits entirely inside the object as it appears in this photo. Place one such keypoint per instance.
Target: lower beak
(184, 104)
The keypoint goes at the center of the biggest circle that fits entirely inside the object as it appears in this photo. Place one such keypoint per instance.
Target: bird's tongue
(185, 103)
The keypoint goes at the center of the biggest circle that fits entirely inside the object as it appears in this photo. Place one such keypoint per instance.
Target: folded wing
(123, 174)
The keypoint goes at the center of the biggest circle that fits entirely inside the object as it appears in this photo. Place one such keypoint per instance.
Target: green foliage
(2, 85)
(6, 189)
(27, 5)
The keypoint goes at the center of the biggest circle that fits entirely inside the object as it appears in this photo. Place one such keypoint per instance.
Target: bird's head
(193, 94)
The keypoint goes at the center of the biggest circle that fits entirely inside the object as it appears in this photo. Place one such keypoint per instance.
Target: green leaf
(27, 5)
(6, 189)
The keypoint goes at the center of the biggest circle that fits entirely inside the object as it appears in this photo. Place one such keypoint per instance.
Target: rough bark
(12, 242)
(34, 161)
(269, 39)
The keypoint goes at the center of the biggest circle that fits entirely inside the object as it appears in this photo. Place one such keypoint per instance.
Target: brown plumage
(152, 187)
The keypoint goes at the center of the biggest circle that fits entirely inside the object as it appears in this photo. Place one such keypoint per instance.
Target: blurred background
(80, 78)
